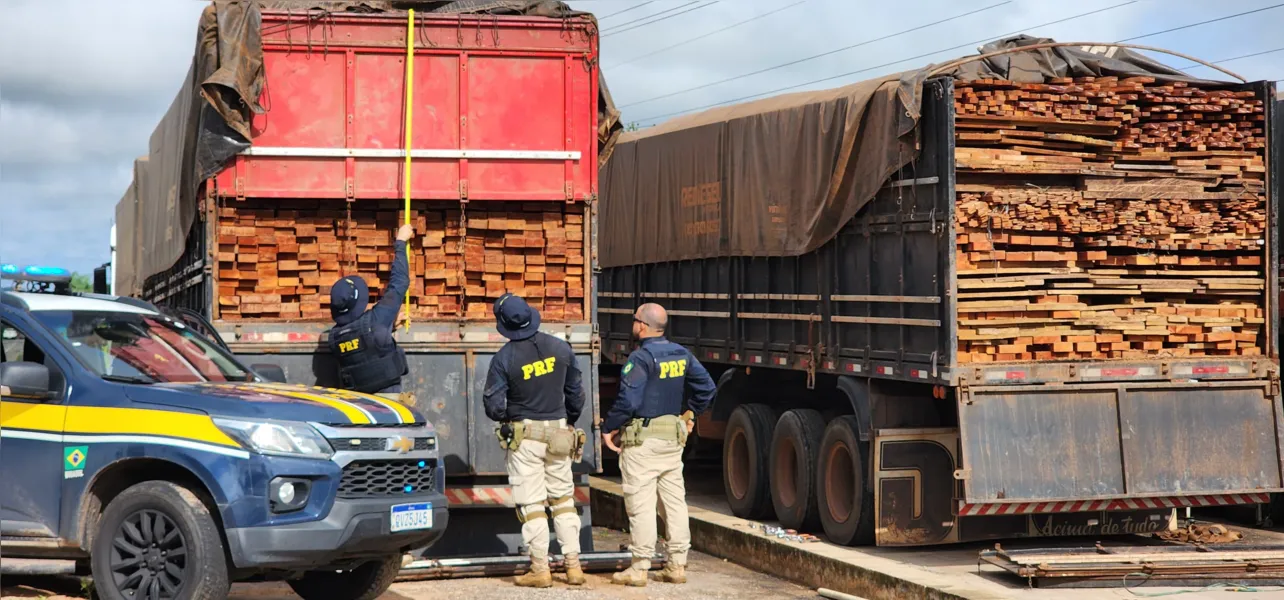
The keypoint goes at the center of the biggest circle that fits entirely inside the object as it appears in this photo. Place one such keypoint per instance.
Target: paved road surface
(709, 579)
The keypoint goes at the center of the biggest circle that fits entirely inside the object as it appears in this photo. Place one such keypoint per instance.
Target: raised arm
(385, 311)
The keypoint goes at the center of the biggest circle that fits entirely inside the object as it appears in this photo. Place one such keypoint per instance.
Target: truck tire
(795, 449)
(745, 460)
(158, 539)
(842, 475)
(366, 582)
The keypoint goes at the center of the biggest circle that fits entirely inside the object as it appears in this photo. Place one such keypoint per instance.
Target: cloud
(83, 85)
(820, 26)
(81, 88)
(122, 54)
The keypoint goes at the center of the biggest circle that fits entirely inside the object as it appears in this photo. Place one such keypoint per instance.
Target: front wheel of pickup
(158, 541)
(365, 582)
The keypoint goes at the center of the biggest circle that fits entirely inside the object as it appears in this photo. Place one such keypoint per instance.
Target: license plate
(407, 517)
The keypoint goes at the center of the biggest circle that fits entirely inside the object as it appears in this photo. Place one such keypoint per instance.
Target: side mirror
(273, 373)
(26, 380)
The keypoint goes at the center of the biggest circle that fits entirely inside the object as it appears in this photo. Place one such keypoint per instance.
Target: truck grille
(376, 444)
(388, 478)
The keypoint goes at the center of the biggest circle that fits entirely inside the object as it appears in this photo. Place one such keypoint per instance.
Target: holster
(581, 438)
(683, 434)
(561, 441)
(513, 443)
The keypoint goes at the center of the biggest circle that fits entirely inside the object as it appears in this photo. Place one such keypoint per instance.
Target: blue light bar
(36, 273)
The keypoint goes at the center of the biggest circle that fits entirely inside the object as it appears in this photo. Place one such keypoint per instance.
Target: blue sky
(79, 98)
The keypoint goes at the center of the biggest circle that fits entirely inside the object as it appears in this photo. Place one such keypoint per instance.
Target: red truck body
(504, 109)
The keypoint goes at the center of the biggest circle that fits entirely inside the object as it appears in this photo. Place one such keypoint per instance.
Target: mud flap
(1041, 443)
(914, 486)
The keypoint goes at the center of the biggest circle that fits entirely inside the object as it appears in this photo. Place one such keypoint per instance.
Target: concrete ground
(709, 578)
(952, 571)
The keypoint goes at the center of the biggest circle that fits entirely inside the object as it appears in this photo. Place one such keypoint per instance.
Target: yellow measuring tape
(410, 94)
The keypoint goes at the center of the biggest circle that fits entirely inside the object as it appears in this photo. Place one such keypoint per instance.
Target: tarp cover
(782, 175)
(209, 121)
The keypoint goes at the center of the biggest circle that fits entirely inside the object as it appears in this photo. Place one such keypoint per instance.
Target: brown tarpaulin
(782, 175)
(778, 176)
(208, 122)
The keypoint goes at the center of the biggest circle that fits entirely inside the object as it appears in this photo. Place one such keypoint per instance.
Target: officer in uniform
(369, 359)
(645, 421)
(533, 393)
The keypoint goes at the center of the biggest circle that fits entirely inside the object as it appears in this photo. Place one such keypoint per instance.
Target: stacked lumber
(1100, 218)
(277, 259)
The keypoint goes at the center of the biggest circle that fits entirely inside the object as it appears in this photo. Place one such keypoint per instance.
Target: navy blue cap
(514, 318)
(348, 299)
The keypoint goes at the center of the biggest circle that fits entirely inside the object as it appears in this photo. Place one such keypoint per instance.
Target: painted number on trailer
(406, 517)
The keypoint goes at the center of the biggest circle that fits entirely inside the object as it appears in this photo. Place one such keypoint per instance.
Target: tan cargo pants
(655, 468)
(540, 481)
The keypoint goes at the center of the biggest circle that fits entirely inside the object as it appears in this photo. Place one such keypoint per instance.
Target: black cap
(514, 318)
(348, 299)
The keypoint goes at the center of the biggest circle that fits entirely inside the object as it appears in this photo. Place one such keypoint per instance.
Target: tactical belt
(560, 440)
(667, 427)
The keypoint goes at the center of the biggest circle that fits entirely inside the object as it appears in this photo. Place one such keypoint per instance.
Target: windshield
(140, 347)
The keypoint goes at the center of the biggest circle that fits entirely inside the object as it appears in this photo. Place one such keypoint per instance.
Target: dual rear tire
(808, 475)
(846, 499)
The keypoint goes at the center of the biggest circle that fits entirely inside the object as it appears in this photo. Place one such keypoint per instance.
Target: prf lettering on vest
(673, 368)
(346, 347)
(538, 368)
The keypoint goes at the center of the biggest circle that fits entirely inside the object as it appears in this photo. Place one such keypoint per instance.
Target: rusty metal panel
(1087, 442)
(1184, 440)
(1040, 444)
(486, 457)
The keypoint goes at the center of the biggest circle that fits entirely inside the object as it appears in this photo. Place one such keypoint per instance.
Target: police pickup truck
(146, 453)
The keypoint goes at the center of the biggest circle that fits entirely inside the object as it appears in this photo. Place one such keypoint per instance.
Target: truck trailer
(1020, 296)
(280, 167)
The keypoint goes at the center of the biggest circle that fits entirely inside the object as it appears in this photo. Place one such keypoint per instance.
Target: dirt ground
(709, 578)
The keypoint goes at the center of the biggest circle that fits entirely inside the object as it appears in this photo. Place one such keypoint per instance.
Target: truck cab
(144, 452)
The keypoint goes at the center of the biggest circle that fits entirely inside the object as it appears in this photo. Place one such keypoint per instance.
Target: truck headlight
(280, 438)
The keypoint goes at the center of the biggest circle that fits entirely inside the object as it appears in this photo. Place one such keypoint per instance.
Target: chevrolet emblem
(401, 444)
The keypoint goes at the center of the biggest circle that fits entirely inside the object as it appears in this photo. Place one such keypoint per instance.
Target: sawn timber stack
(278, 259)
(1107, 218)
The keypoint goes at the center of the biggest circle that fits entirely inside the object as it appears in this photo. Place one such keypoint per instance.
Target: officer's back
(540, 378)
(653, 381)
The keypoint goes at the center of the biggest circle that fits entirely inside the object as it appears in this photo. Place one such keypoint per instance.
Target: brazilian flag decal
(73, 461)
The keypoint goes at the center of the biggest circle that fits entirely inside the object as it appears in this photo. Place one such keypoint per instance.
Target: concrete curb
(814, 565)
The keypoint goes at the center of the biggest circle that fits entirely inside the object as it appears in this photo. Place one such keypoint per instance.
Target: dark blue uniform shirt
(654, 381)
(537, 379)
(385, 311)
